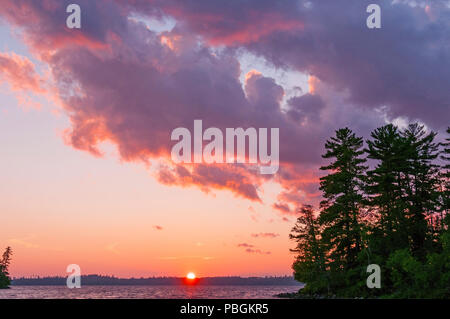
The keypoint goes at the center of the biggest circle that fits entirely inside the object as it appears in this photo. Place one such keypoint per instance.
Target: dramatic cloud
(120, 81)
(403, 67)
(233, 177)
(305, 108)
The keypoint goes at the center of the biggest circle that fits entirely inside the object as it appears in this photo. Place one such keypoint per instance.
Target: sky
(86, 116)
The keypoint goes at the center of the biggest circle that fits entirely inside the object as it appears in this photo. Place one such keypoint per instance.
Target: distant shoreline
(97, 280)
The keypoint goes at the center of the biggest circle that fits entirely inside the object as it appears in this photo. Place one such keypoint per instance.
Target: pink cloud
(232, 177)
(266, 235)
(251, 249)
(245, 245)
(138, 90)
(282, 207)
(20, 73)
(119, 81)
(257, 251)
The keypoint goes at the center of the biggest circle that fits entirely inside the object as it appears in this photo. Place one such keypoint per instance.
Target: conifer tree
(343, 201)
(405, 191)
(4, 267)
(309, 263)
(421, 185)
(446, 179)
(385, 190)
(6, 259)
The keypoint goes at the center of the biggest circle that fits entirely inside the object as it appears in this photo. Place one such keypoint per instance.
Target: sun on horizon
(191, 276)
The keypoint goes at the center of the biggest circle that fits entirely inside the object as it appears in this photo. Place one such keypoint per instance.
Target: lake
(145, 292)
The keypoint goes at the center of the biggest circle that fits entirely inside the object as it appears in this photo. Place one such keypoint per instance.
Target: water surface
(145, 292)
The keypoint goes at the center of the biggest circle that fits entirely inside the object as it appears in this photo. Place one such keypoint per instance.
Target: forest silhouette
(385, 202)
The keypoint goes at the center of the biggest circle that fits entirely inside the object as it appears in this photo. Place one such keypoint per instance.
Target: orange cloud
(312, 84)
(20, 73)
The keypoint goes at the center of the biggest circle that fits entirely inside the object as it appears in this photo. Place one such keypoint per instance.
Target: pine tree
(404, 192)
(6, 259)
(385, 190)
(309, 263)
(340, 210)
(421, 185)
(4, 267)
(446, 180)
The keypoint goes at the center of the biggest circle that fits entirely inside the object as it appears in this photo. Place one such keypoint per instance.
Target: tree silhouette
(446, 179)
(5, 261)
(340, 210)
(406, 195)
(309, 264)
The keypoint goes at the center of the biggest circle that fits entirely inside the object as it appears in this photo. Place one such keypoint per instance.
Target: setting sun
(191, 276)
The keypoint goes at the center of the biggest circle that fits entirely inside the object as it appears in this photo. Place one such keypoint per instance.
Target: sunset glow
(86, 116)
(191, 276)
